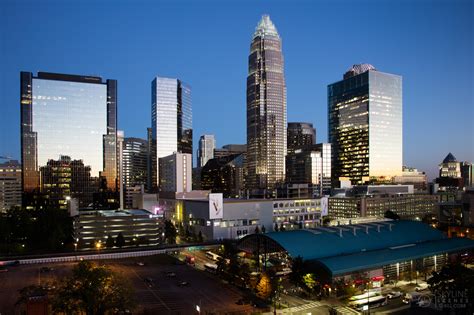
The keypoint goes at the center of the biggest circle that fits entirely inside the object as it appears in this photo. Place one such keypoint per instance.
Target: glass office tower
(266, 109)
(68, 119)
(205, 152)
(300, 135)
(365, 125)
(171, 119)
(134, 167)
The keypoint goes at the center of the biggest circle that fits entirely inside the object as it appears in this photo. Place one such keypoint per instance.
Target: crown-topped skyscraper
(266, 109)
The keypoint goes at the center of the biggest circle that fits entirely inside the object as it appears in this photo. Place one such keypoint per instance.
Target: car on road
(46, 269)
(183, 284)
(140, 263)
(3, 269)
(170, 274)
(421, 287)
(394, 294)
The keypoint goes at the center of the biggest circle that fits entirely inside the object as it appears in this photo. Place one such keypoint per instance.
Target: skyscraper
(171, 118)
(266, 109)
(300, 135)
(68, 119)
(365, 125)
(207, 144)
(135, 152)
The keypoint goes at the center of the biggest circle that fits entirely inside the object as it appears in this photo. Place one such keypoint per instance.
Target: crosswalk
(300, 308)
(344, 310)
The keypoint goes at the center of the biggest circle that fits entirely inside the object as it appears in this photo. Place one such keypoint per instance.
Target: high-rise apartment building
(10, 185)
(300, 135)
(266, 109)
(365, 125)
(205, 152)
(66, 118)
(171, 118)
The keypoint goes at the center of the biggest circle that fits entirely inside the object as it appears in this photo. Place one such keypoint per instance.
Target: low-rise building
(10, 185)
(96, 229)
(239, 217)
(375, 201)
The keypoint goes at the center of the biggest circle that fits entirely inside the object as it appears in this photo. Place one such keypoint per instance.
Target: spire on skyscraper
(265, 27)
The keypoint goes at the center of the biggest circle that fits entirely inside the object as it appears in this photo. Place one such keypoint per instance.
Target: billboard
(324, 206)
(216, 206)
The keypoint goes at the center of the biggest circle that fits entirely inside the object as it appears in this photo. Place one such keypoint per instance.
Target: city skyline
(442, 82)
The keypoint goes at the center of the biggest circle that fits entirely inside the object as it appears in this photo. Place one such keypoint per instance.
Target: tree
(300, 225)
(264, 287)
(282, 227)
(263, 229)
(200, 238)
(120, 240)
(257, 230)
(109, 243)
(389, 214)
(170, 232)
(297, 271)
(455, 280)
(27, 292)
(94, 290)
(276, 227)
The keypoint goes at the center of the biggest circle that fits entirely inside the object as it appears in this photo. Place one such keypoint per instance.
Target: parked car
(421, 286)
(149, 281)
(394, 294)
(183, 284)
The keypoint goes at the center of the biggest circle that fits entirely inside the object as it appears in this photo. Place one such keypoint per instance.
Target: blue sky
(206, 44)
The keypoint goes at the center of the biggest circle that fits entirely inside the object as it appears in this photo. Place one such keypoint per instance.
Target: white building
(176, 173)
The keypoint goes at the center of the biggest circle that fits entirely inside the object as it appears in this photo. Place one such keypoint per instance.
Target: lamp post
(98, 246)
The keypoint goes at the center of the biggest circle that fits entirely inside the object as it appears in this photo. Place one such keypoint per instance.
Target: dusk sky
(206, 44)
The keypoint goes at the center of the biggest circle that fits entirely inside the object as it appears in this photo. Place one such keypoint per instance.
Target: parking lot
(163, 293)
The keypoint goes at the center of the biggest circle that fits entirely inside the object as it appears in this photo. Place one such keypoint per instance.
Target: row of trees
(30, 230)
(91, 289)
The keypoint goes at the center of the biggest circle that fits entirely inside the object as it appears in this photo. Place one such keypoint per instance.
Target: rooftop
(265, 27)
(348, 248)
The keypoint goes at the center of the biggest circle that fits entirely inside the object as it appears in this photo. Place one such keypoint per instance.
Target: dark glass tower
(365, 125)
(300, 135)
(68, 116)
(266, 109)
(134, 166)
(171, 119)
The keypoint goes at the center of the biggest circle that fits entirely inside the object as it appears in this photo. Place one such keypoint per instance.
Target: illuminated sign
(216, 206)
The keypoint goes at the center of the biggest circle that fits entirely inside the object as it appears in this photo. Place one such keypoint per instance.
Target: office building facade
(310, 165)
(205, 152)
(134, 168)
(171, 118)
(365, 125)
(10, 185)
(224, 175)
(176, 173)
(68, 116)
(266, 109)
(300, 135)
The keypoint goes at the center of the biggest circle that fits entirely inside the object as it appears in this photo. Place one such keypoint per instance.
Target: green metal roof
(348, 248)
(369, 260)
(327, 241)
